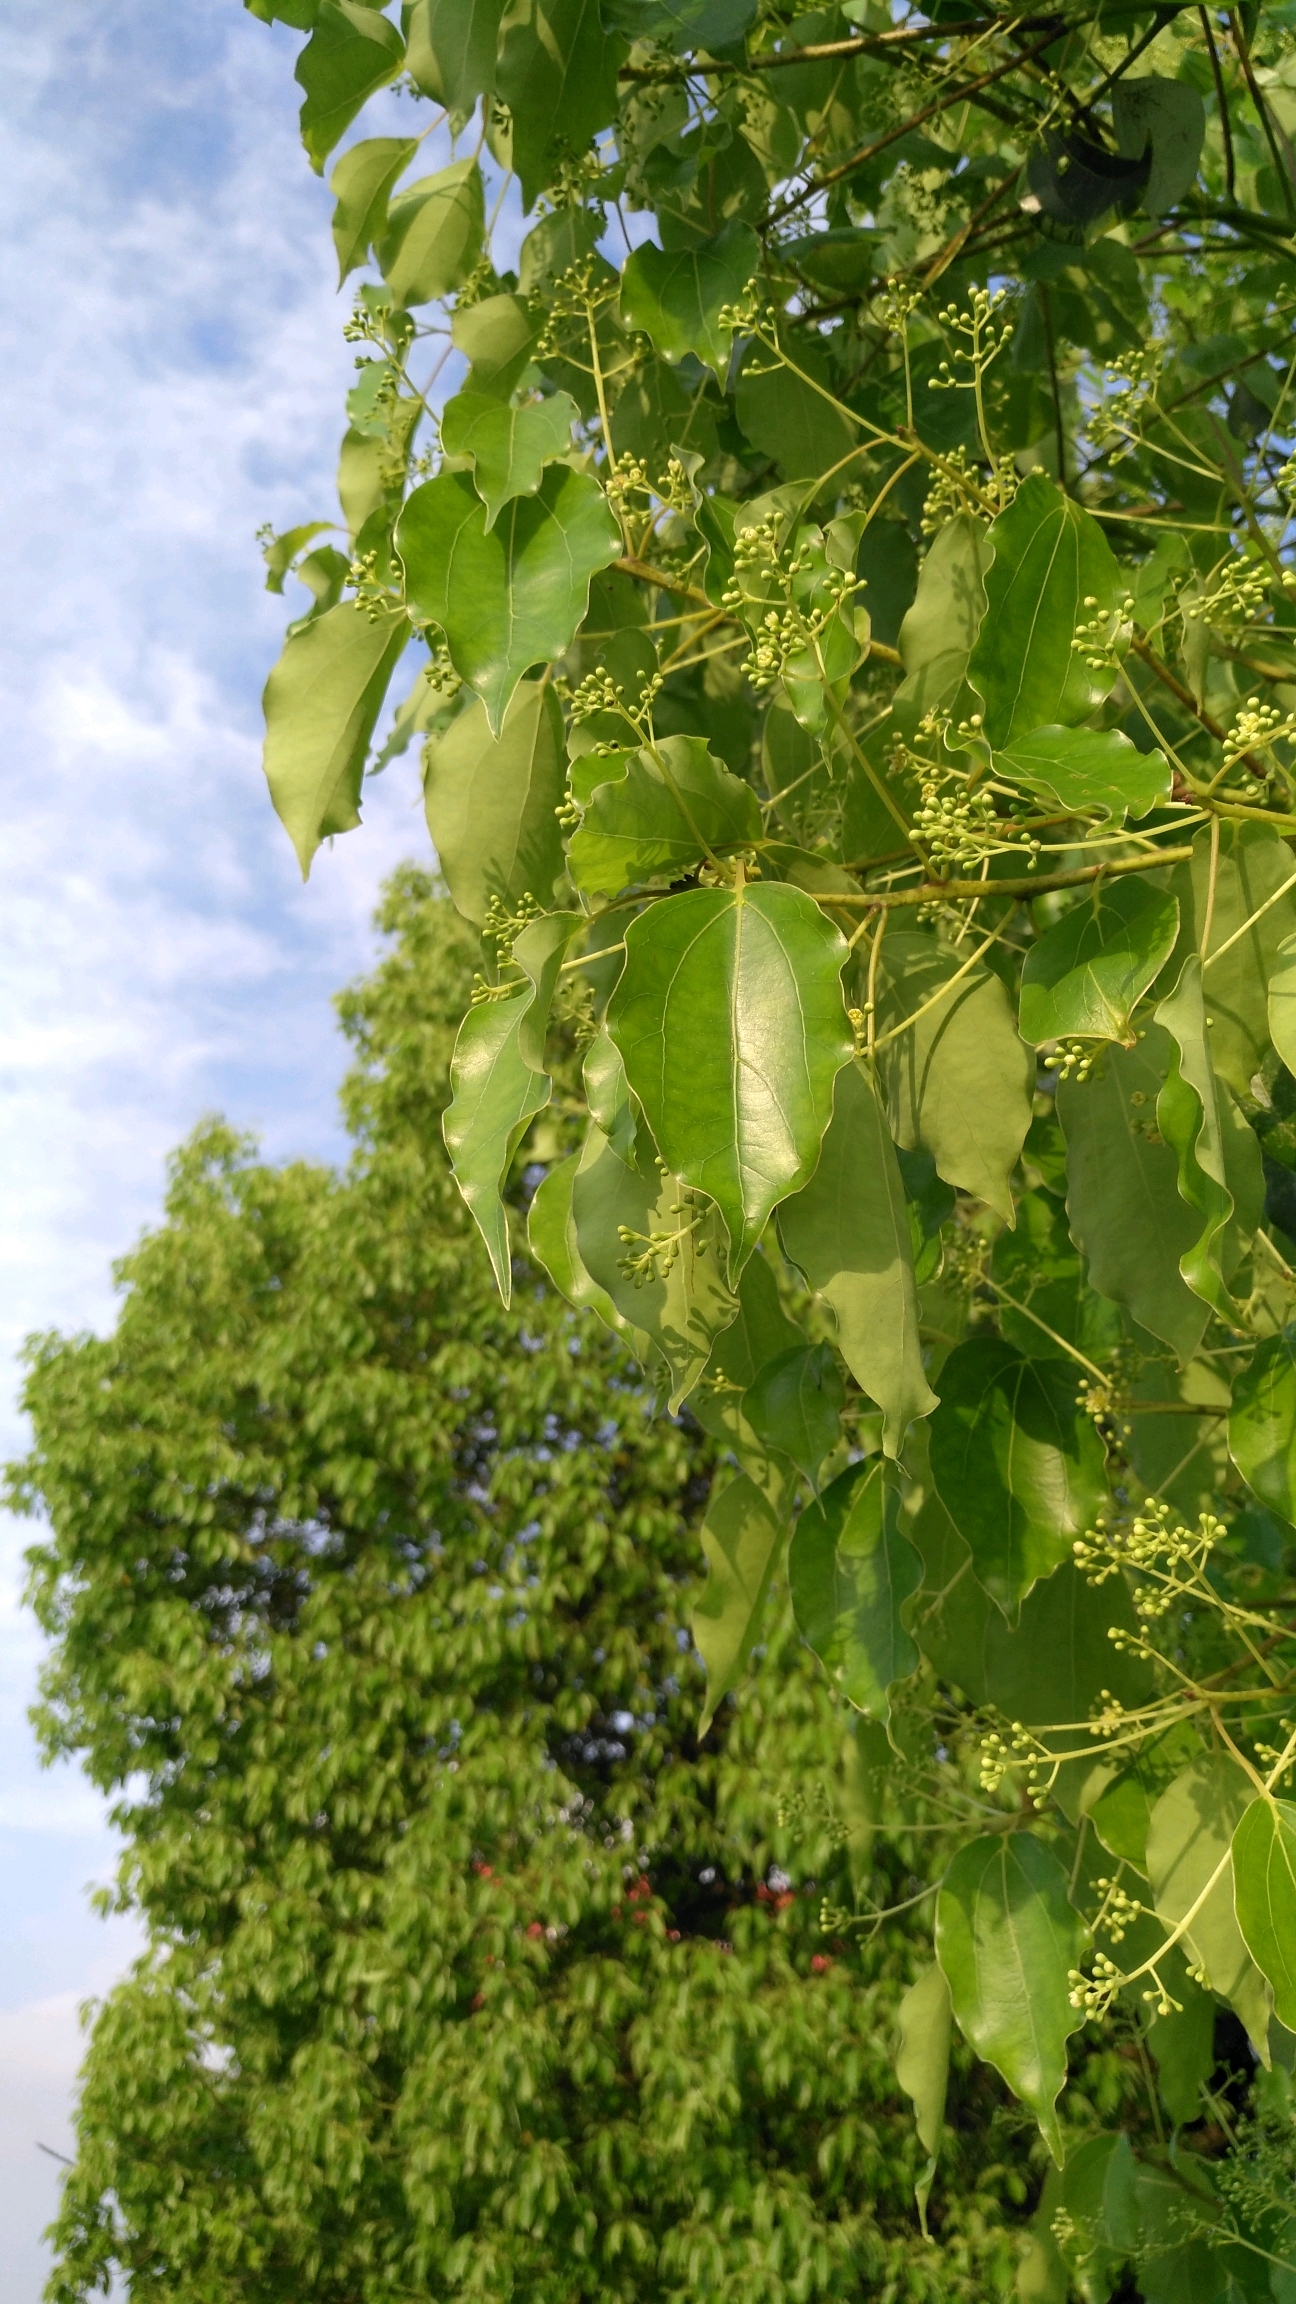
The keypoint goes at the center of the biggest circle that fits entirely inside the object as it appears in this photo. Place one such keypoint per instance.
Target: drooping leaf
(851, 1570)
(1262, 1423)
(1252, 869)
(1051, 559)
(511, 596)
(434, 233)
(1086, 976)
(490, 802)
(794, 1405)
(361, 182)
(557, 72)
(1264, 1890)
(678, 1295)
(321, 702)
(848, 1232)
(922, 2067)
(730, 1018)
(1101, 2209)
(1039, 1278)
(1018, 1467)
(959, 1082)
(657, 814)
(352, 51)
(510, 447)
(675, 295)
(1088, 769)
(1166, 120)
(1122, 1812)
(499, 1083)
(551, 1239)
(940, 630)
(1007, 1938)
(742, 1539)
(450, 49)
(1188, 1844)
(1220, 1173)
(1122, 1191)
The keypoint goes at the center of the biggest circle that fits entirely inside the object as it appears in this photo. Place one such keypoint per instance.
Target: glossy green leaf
(352, 51)
(1123, 1191)
(1050, 559)
(680, 1300)
(1188, 1844)
(1264, 1893)
(922, 2067)
(499, 1083)
(1018, 1467)
(1091, 770)
(360, 183)
(321, 702)
(509, 447)
(512, 596)
(1086, 976)
(1007, 1939)
(675, 295)
(490, 802)
(658, 814)
(940, 630)
(795, 1404)
(1252, 869)
(848, 1231)
(1262, 1423)
(730, 1018)
(1220, 1174)
(557, 72)
(743, 1540)
(451, 49)
(850, 1571)
(551, 1239)
(959, 1082)
(434, 234)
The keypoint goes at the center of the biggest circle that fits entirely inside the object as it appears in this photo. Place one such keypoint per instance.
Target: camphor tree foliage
(465, 1976)
(854, 565)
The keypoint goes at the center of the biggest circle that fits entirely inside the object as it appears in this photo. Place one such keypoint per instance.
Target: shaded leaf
(684, 24)
(1253, 866)
(850, 1571)
(1188, 1844)
(1088, 769)
(939, 632)
(512, 596)
(795, 1403)
(1122, 1812)
(557, 73)
(730, 1018)
(922, 2067)
(742, 1539)
(1086, 976)
(1050, 559)
(551, 1238)
(490, 802)
(510, 447)
(450, 49)
(1220, 1173)
(321, 702)
(498, 338)
(674, 295)
(1262, 1424)
(361, 183)
(352, 51)
(1166, 120)
(681, 1302)
(959, 1082)
(656, 814)
(1264, 1891)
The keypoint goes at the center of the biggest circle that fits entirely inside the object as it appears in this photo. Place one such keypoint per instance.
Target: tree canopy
(466, 1976)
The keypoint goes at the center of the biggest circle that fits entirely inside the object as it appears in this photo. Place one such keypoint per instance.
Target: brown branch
(1226, 129)
(1282, 168)
(1037, 884)
(818, 52)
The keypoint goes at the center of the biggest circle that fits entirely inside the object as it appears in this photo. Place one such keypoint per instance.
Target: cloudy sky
(173, 373)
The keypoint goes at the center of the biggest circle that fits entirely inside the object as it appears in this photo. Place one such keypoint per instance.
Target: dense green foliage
(466, 1975)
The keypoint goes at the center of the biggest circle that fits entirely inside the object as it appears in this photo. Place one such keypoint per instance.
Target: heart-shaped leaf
(1086, 976)
(510, 596)
(557, 72)
(434, 234)
(1092, 770)
(510, 447)
(361, 183)
(675, 295)
(1053, 570)
(451, 49)
(658, 814)
(321, 702)
(490, 802)
(795, 1405)
(850, 1571)
(730, 1018)
(352, 51)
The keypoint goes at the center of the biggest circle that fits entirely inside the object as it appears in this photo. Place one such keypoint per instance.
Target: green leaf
(558, 74)
(658, 814)
(795, 1404)
(1018, 1467)
(922, 2068)
(1091, 770)
(434, 234)
(730, 1018)
(1220, 1171)
(1051, 560)
(1086, 976)
(1099, 2200)
(490, 802)
(1183, 2040)
(680, 1300)
(352, 51)
(1123, 1195)
(851, 1571)
(958, 1083)
(361, 183)
(1264, 1889)
(1039, 1276)
(498, 338)
(510, 447)
(279, 552)
(1281, 993)
(511, 596)
(742, 1539)
(1168, 116)
(1007, 1939)
(685, 24)
(1252, 868)
(499, 1083)
(551, 1238)
(451, 45)
(783, 415)
(940, 630)
(848, 1231)
(1262, 1423)
(674, 295)
(1122, 1813)
(1188, 1845)
(321, 702)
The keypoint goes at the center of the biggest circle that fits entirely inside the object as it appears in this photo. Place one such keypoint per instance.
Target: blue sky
(173, 376)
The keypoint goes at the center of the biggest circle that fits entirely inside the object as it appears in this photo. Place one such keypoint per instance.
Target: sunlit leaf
(490, 802)
(743, 1540)
(433, 235)
(510, 447)
(794, 1405)
(321, 702)
(658, 814)
(451, 48)
(1220, 1174)
(957, 1082)
(361, 182)
(352, 51)
(675, 295)
(1262, 1423)
(1086, 976)
(1264, 1890)
(922, 2067)
(677, 1295)
(1093, 770)
(1188, 1859)
(1053, 570)
(557, 73)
